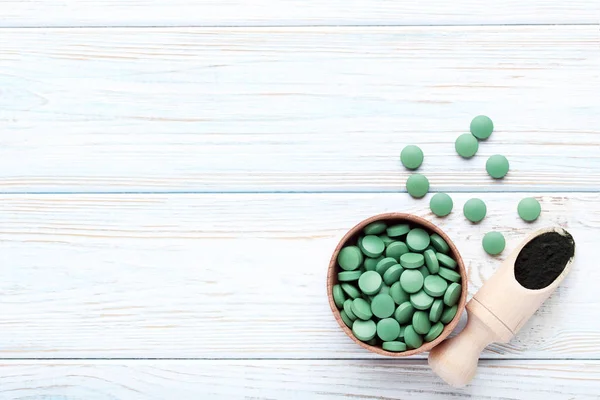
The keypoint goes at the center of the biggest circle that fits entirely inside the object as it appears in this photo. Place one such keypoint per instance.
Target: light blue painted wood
(295, 109)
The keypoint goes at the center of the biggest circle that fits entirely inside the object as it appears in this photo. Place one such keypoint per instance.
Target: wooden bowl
(396, 218)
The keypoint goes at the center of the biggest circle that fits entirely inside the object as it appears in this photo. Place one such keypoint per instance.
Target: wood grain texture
(295, 109)
(242, 276)
(280, 379)
(292, 12)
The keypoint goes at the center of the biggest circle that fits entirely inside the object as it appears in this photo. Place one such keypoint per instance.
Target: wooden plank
(295, 109)
(230, 276)
(15, 13)
(280, 379)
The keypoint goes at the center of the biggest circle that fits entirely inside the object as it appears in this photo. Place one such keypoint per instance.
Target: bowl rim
(399, 218)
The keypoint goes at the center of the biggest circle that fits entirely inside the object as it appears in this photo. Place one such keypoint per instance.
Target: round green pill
(370, 282)
(433, 265)
(529, 209)
(372, 246)
(412, 338)
(417, 239)
(348, 276)
(388, 329)
(412, 260)
(420, 322)
(439, 243)
(346, 320)
(364, 330)
(497, 166)
(448, 314)
(452, 294)
(338, 296)
(434, 332)
(398, 230)
(348, 309)
(383, 265)
(436, 310)
(475, 210)
(421, 300)
(350, 290)
(350, 258)
(398, 294)
(493, 243)
(371, 263)
(396, 249)
(392, 275)
(466, 145)
(394, 346)
(411, 281)
(449, 275)
(482, 127)
(445, 260)
(375, 228)
(411, 156)
(441, 204)
(417, 185)
(435, 285)
(404, 312)
(362, 309)
(383, 306)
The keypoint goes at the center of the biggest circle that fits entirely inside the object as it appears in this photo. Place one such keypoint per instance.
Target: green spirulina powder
(543, 259)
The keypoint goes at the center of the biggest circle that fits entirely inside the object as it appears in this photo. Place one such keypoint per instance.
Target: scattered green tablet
(497, 166)
(493, 243)
(417, 186)
(482, 127)
(466, 145)
(475, 210)
(529, 209)
(411, 157)
(441, 204)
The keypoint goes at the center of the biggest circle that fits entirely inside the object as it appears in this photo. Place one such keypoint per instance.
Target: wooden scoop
(495, 314)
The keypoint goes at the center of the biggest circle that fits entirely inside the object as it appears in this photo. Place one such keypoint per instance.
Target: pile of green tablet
(475, 210)
(397, 286)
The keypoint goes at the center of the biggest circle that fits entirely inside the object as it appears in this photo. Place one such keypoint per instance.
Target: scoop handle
(455, 359)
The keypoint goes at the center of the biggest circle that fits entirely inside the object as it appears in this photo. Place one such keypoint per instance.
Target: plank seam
(297, 26)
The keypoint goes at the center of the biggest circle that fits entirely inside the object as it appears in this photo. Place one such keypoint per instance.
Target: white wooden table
(174, 175)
